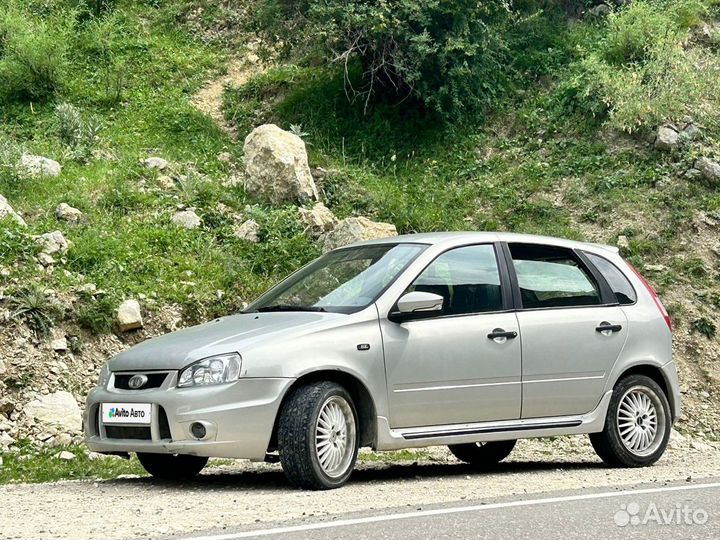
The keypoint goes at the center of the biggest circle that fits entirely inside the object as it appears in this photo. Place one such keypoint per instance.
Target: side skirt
(395, 439)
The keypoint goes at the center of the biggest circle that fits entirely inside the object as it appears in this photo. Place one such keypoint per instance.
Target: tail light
(654, 296)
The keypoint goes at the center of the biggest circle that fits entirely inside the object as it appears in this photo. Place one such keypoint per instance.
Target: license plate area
(135, 414)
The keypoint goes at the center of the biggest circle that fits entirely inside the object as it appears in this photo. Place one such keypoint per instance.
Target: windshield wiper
(289, 307)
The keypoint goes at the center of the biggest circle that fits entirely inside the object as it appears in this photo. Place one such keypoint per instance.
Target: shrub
(33, 61)
(705, 327)
(447, 54)
(36, 308)
(641, 73)
(79, 133)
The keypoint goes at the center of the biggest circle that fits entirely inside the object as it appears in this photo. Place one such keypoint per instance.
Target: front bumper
(239, 418)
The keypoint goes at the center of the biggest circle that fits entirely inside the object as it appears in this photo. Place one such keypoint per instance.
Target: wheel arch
(362, 399)
(656, 374)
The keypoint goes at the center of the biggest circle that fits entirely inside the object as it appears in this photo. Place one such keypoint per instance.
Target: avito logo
(122, 412)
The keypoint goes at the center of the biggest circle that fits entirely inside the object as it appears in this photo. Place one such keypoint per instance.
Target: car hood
(227, 334)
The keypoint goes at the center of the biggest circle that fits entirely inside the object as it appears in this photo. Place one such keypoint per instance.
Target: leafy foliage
(36, 308)
(32, 55)
(79, 133)
(642, 73)
(449, 55)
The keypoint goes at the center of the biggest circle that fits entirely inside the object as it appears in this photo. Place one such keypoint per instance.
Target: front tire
(318, 436)
(483, 454)
(172, 467)
(637, 425)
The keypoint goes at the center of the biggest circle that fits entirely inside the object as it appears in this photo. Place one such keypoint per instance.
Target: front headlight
(104, 376)
(213, 370)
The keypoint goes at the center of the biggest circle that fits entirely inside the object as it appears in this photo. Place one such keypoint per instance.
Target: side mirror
(417, 305)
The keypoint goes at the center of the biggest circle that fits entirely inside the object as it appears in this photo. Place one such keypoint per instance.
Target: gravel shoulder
(244, 493)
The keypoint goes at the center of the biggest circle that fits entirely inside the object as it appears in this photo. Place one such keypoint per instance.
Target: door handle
(498, 335)
(605, 328)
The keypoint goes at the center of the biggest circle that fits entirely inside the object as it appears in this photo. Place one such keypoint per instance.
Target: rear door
(449, 369)
(572, 329)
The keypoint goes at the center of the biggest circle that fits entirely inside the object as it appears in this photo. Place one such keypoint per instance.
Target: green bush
(32, 55)
(642, 72)
(80, 133)
(449, 55)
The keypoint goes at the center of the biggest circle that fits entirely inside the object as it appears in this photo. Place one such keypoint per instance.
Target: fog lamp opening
(198, 430)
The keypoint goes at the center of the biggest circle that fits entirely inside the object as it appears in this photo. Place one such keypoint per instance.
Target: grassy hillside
(562, 148)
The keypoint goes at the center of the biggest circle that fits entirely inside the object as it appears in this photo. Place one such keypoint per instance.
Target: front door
(571, 337)
(449, 369)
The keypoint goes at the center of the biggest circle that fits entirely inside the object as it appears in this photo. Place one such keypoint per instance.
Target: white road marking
(444, 511)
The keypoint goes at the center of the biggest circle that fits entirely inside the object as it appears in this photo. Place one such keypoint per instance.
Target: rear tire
(318, 436)
(483, 455)
(172, 467)
(637, 425)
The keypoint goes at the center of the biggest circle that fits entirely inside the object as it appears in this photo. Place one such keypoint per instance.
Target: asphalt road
(682, 510)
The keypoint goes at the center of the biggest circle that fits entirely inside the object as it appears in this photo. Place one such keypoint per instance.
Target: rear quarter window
(620, 285)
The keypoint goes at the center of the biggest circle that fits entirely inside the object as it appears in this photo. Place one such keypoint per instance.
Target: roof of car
(461, 237)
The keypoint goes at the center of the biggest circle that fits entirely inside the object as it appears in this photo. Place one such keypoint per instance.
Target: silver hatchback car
(471, 340)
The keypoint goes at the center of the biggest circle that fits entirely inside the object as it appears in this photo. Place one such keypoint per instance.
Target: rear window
(551, 277)
(624, 291)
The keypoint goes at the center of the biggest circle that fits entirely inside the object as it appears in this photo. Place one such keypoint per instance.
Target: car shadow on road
(269, 478)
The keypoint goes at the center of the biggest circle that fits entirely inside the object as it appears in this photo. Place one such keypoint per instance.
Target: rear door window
(620, 285)
(551, 277)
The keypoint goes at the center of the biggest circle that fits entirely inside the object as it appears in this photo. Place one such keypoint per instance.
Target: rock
(599, 11)
(691, 132)
(247, 231)
(155, 162)
(38, 166)
(655, 268)
(709, 169)
(58, 410)
(7, 210)
(667, 139)
(129, 316)
(276, 166)
(65, 455)
(692, 174)
(165, 181)
(6, 440)
(53, 242)
(623, 242)
(3, 369)
(225, 157)
(357, 229)
(59, 344)
(318, 220)
(62, 439)
(187, 219)
(45, 259)
(66, 212)
(705, 394)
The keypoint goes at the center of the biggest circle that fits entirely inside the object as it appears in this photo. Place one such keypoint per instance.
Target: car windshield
(342, 281)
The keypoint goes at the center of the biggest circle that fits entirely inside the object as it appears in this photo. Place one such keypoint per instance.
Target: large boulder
(58, 410)
(318, 220)
(276, 166)
(129, 316)
(709, 170)
(38, 166)
(7, 210)
(357, 229)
